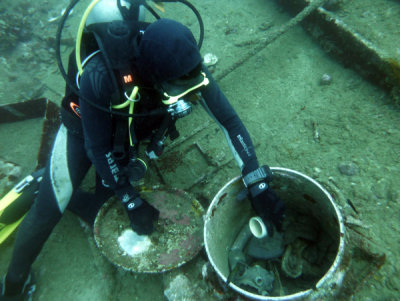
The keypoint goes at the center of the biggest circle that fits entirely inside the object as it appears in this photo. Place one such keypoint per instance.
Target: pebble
(10, 173)
(325, 79)
(210, 59)
(180, 289)
(316, 172)
(380, 189)
(349, 169)
(10, 170)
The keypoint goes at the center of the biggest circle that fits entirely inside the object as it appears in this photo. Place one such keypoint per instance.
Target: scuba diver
(136, 81)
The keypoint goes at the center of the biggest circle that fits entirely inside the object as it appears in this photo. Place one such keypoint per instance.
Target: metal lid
(176, 240)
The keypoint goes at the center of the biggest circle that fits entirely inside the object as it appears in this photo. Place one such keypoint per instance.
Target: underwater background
(305, 110)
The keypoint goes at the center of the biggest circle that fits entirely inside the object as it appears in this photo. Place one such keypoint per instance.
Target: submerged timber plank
(34, 108)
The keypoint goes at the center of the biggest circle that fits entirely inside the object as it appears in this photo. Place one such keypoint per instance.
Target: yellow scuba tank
(16, 203)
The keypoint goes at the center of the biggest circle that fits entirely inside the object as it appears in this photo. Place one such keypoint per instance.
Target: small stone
(10, 174)
(210, 59)
(316, 171)
(325, 79)
(14, 172)
(180, 289)
(207, 271)
(349, 169)
(380, 189)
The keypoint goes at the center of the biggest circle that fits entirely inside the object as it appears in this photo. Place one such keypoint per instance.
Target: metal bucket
(226, 216)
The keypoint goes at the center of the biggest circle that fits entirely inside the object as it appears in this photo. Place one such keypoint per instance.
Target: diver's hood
(167, 51)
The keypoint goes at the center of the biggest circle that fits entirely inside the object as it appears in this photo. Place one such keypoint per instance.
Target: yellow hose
(131, 103)
(78, 43)
(131, 108)
(128, 101)
(79, 36)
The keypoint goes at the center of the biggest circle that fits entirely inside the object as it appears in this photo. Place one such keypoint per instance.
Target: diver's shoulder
(95, 77)
(96, 65)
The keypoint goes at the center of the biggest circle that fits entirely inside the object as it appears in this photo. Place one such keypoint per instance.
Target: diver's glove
(264, 200)
(141, 214)
(267, 205)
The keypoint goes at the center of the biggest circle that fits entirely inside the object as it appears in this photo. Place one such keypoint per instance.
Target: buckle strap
(260, 174)
(133, 203)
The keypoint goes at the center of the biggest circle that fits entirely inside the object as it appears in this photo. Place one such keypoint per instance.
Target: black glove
(141, 214)
(267, 205)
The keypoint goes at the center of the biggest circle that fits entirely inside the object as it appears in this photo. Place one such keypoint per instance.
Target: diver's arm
(97, 125)
(265, 202)
(217, 105)
(97, 129)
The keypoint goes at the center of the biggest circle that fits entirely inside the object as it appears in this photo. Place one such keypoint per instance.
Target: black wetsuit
(74, 152)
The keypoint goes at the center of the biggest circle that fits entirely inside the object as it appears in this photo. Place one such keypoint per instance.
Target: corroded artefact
(257, 278)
